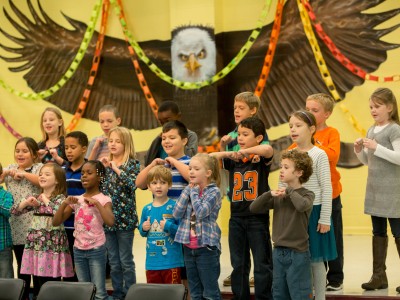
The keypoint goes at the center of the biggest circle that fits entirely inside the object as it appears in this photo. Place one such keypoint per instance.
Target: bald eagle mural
(45, 50)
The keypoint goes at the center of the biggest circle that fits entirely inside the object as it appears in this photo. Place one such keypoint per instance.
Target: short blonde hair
(325, 100)
(161, 173)
(252, 100)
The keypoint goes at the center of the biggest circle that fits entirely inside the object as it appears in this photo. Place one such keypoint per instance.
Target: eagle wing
(47, 49)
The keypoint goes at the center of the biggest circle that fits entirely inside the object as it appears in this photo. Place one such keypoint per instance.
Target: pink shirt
(89, 232)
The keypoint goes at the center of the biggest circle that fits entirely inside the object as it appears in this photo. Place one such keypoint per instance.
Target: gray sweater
(291, 214)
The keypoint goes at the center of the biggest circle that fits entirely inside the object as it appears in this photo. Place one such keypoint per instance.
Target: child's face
(300, 132)
(246, 138)
(173, 144)
(287, 173)
(242, 111)
(318, 111)
(47, 179)
(23, 156)
(115, 145)
(51, 123)
(108, 121)
(158, 187)
(198, 173)
(380, 112)
(166, 116)
(89, 178)
(73, 150)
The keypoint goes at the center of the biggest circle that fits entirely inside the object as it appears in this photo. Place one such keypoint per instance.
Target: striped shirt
(6, 201)
(178, 182)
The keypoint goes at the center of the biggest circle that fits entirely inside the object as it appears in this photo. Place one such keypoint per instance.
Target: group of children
(180, 223)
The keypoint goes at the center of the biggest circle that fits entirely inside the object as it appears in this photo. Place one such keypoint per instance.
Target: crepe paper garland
(273, 41)
(9, 128)
(357, 126)
(340, 57)
(139, 74)
(185, 84)
(72, 68)
(93, 70)
(323, 69)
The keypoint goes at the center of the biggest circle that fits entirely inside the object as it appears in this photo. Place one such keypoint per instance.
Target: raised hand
(146, 225)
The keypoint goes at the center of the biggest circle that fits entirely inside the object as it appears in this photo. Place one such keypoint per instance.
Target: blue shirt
(178, 182)
(162, 252)
(6, 201)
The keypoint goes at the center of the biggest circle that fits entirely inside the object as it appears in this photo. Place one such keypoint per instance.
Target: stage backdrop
(154, 20)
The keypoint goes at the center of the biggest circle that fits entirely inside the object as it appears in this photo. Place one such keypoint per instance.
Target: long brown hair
(59, 174)
(307, 118)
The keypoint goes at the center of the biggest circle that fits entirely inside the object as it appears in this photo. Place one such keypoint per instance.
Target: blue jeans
(379, 226)
(90, 266)
(335, 267)
(292, 274)
(245, 234)
(119, 249)
(6, 263)
(203, 269)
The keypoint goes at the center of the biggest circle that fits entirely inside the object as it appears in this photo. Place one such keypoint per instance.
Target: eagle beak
(192, 63)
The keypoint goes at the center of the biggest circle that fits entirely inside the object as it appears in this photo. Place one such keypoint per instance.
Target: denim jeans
(6, 263)
(119, 249)
(90, 266)
(245, 234)
(335, 267)
(292, 274)
(203, 269)
(379, 226)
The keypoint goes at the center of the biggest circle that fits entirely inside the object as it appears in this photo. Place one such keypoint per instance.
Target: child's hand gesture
(91, 201)
(370, 144)
(225, 140)
(105, 161)
(158, 161)
(322, 228)
(43, 198)
(54, 153)
(162, 223)
(19, 175)
(171, 161)
(42, 153)
(71, 200)
(98, 142)
(281, 192)
(146, 225)
(30, 201)
(358, 145)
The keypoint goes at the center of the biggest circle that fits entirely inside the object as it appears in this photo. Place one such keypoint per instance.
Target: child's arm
(324, 179)
(144, 225)
(6, 203)
(225, 140)
(127, 176)
(203, 208)
(25, 206)
(302, 202)
(392, 156)
(182, 168)
(170, 226)
(64, 211)
(141, 179)
(261, 150)
(182, 203)
(58, 159)
(224, 154)
(262, 203)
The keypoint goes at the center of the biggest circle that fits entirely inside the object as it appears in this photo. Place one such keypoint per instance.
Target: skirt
(322, 245)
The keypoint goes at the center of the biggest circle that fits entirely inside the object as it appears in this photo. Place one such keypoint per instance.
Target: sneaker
(334, 287)
(227, 281)
(251, 282)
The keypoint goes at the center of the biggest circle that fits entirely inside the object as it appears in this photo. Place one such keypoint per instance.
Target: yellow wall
(225, 15)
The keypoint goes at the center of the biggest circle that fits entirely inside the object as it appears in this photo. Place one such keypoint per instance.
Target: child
(292, 208)
(248, 178)
(198, 208)
(380, 150)
(22, 180)
(119, 184)
(51, 147)
(328, 139)
(174, 140)
(322, 240)
(76, 143)
(92, 209)
(6, 257)
(246, 105)
(169, 111)
(109, 118)
(164, 258)
(46, 253)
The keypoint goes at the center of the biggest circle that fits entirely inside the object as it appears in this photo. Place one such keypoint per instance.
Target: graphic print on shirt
(245, 186)
(158, 236)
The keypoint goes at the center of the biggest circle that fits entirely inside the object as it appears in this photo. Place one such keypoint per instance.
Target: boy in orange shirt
(328, 139)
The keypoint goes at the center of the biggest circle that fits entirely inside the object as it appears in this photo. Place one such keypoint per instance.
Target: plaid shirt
(206, 208)
(6, 201)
